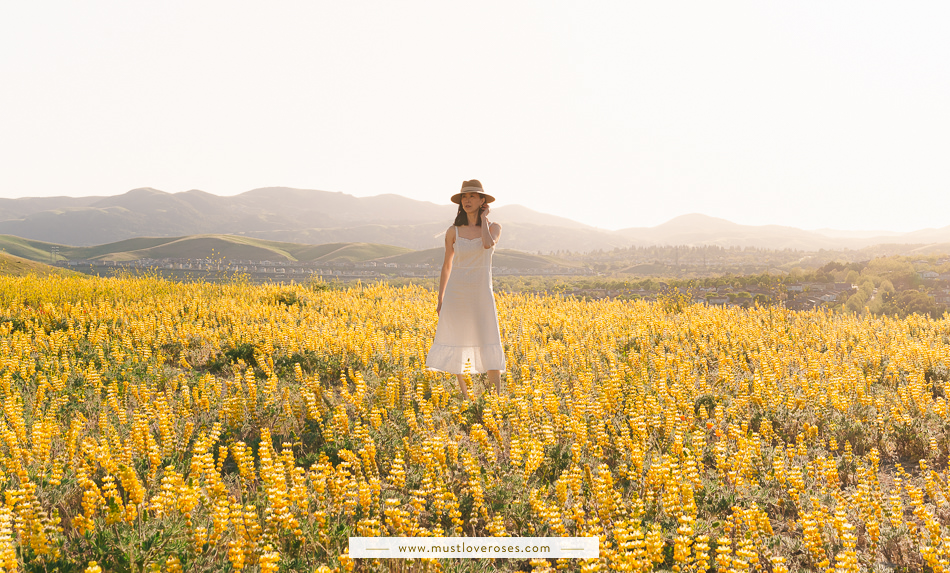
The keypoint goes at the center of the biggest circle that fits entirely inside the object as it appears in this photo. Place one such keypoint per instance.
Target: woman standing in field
(467, 339)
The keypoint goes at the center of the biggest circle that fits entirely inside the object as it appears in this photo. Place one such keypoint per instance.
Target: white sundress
(467, 339)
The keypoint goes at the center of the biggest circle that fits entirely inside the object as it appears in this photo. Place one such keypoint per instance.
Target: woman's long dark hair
(462, 218)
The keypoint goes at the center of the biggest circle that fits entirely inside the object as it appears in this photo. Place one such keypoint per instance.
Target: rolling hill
(278, 214)
(230, 247)
(302, 216)
(27, 249)
(12, 265)
(698, 229)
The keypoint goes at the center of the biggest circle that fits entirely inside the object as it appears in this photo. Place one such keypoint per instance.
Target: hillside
(697, 229)
(231, 247)
(228, 247)
(26, 248)
(348, 252)
(306, 216)
(276, 214)
(11, 265)
(202, 247)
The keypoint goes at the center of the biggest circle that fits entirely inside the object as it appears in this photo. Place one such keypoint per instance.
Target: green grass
(128, 245)
(235, 247)
(27, 248)
(11, 265)
(247, 248)
(351, 252)
(209, 246)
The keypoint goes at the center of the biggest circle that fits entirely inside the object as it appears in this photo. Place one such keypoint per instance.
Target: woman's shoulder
(450, 232)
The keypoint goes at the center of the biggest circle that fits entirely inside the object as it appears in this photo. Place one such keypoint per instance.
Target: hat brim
(457, 198)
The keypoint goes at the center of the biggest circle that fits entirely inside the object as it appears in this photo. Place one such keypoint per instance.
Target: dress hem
(466, 359)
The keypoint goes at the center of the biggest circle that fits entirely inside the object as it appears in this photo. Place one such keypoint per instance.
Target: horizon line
(870, 233)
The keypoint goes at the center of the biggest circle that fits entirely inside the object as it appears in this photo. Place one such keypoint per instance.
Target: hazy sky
(616, 114)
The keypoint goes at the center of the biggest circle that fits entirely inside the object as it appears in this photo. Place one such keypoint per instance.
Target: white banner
(474, 547)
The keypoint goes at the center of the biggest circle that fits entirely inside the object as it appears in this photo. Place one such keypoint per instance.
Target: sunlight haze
(614, 114)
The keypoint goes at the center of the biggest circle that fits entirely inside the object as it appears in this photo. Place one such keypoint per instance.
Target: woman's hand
(484, 211)
(438, 308)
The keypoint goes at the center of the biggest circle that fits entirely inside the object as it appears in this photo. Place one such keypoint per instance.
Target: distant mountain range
(318, 217)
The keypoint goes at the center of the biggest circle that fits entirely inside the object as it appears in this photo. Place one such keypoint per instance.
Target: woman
(467, 339)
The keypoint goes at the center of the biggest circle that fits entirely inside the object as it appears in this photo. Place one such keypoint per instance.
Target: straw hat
(472, 186)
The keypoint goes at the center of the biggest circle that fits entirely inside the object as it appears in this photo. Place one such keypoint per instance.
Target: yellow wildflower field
(157, 426)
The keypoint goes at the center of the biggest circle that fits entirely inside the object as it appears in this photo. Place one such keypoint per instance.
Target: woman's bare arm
(446, 265)
(491, 232)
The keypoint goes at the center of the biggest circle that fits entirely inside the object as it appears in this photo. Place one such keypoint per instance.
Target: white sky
(615, 114)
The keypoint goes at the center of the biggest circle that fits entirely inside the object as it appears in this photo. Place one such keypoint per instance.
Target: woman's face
(471, 202)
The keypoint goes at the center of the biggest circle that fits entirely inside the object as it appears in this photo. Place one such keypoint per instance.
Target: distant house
(795, 287)
(928, 275)
(804, 303)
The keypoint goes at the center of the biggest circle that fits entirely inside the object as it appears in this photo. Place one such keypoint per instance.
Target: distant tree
(823, 277)
(905, 303)
(856, 302)
(858, 266)
(832, 267)
(897, 270)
